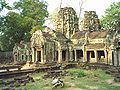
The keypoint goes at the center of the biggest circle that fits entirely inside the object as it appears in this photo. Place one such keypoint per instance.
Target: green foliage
(111, 19)
(84, 83)
(33, 9)
(3, 5)
(35, 28)
(77, 72)
(16, 26)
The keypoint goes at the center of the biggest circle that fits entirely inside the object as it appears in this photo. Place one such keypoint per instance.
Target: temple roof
(59, 35)
(98, 34)
(92, 35)
(79, 35)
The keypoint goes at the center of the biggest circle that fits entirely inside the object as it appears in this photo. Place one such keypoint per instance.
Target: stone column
(42, 56)
(67, 58)
(96, 56)
(28, 55)
(33, 55)
(84, 54)
(115, 58)
(14, 56)
(59, 56)
(106, 56)
(75, 55)
(36, 57)
(70, 55)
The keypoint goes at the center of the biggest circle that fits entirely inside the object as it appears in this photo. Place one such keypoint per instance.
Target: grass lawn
(78, 80)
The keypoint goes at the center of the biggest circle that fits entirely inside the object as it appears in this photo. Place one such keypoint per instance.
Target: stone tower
(90, 21)
(67, 22)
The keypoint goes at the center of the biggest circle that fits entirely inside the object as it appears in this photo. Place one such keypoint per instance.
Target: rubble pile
(10, 84)
(67, 21)
(90, 21)
(55, 73)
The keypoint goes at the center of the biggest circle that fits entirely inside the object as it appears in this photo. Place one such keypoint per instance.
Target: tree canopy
(17, 26)
(111, 19)
(3, 5)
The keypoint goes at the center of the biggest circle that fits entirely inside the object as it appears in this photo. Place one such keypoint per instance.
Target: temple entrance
(39, 56)
(73, 53)
(90, 55)
(101, 56)
(15, 57)
(56, 57)
(113, 58)
(79, 54)
(64, 55)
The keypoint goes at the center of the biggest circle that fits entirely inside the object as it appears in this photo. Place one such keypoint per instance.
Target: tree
(111, 19)
(3, 5)
(33, 9)
(16, 26)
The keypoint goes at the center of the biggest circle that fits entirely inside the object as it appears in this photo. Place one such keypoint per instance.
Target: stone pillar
(14, 56)
(36, 57)
(106, 56)
(33, 55)
(75, 55)
(42, 55)
(70, 54)
(59, 56)
(28, 55)
(111, 57)
(67, 58)
(84, 54)
(54, 55)
(96, 56)
(115, 58)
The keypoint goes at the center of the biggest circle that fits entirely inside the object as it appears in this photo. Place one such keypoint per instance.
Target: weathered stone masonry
(69, 44)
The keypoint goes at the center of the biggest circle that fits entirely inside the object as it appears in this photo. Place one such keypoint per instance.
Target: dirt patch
(92, 87)
(71, 86)
(111, 82)
(116, 84)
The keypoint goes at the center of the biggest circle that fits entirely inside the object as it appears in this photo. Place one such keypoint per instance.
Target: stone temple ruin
(90, 21)
(67, 22)
(68, 43)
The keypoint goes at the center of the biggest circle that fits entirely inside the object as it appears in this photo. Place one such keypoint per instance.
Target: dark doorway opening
(16, 57)
(64, 55)
(101, 56)
(79, 54)
(39, 56)
(113, 58)
(90, 54)
(56, 55)
(73, 53)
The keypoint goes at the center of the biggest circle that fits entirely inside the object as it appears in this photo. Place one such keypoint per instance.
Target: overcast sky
(95, 5)
(89, 5)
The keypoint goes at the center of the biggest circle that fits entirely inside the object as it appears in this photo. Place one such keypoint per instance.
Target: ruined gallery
(69, 43)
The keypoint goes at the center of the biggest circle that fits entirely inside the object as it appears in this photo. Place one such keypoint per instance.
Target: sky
(89, 5)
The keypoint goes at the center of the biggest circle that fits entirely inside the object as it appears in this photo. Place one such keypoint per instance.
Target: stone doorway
(79, 54)
(101, 56)
(64, 55)
(39, 56)
(73, 54)
(56, 56)
(90, 55)
(113, 58)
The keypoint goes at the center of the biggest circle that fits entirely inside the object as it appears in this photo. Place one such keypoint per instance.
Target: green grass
(93, 78)
(79, 78)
